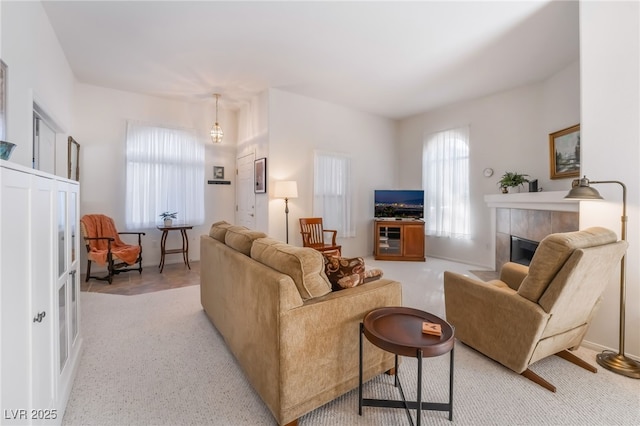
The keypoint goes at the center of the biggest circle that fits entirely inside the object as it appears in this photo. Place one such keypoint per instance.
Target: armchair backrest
(574, 293)
(552, 254)
(568, 274)
(98, 225)
(312, 231)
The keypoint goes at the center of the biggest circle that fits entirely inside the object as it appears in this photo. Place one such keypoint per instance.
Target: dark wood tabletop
(398, 330)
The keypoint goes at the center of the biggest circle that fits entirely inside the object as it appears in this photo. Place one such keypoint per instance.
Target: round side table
(399, 330)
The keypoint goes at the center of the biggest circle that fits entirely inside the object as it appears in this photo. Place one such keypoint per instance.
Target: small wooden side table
(399, 330)
(185, 243)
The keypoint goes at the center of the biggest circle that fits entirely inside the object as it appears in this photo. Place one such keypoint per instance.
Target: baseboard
(599, 348)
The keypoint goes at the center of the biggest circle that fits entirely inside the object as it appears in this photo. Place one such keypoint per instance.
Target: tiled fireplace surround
(531, 216)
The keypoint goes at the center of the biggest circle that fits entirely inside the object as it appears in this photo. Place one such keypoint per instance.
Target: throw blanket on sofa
(99, 225)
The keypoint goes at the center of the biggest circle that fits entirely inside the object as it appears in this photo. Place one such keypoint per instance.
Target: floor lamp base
(618, 363)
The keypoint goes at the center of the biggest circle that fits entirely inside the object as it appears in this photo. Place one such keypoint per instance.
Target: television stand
(399, 239)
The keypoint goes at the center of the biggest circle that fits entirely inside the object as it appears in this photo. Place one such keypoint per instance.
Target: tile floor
(174, 275)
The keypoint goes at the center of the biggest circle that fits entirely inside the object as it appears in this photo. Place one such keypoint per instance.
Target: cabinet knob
(40, 316)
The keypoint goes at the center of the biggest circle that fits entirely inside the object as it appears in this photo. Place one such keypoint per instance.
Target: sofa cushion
(303, 264)
(241, 238)
(553, 252)
(218, 230)
(346, 272)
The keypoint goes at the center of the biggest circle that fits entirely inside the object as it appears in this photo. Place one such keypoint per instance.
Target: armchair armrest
(333, 237)
(497, 322)
(109, 241)
(512, 274)
(134, 233)
(100, 238)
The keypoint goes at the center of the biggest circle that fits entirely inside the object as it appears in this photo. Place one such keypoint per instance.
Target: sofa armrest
(513, 274)
(497, 322)
(319, 344)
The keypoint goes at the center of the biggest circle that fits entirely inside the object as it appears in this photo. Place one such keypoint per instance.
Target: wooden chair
(105, 247)
(313, 235)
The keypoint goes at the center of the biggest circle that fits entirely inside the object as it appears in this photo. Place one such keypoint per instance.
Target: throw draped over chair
(105, 247)
(313, 235)
(536, 311)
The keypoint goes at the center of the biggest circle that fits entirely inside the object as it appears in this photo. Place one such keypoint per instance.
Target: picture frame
(3, 100)
(73, 159)
(260, 176)
(564, 153)
(218, 172)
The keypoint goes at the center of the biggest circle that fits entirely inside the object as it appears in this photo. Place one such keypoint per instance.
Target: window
(165, 172)
(332, 192)
(445, 179)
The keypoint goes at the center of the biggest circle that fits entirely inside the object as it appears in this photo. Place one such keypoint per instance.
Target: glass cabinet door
(63, 325)
(64, 340)
(62, 226)
(73, 206)
(73, 275)
(389, 239)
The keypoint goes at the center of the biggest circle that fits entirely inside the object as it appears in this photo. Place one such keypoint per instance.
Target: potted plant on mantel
(168, 217)
(511, 180)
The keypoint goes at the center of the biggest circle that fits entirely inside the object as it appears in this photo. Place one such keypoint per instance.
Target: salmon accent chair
(313, 235)
(537, 311)
(105, 247)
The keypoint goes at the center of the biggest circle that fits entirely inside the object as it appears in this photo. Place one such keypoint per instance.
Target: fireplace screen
(522, 250)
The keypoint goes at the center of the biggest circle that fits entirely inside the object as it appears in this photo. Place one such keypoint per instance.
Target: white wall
(101, 116)
(37, 70)
(610, 54)
(299, 125)
(253, 138)
(509, 131)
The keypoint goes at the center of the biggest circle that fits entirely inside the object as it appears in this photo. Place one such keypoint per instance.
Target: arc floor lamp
(616, 362)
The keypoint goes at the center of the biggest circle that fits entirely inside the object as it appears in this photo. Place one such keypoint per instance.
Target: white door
(245, 197)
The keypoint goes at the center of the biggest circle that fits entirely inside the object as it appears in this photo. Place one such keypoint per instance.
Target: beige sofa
(295, 339)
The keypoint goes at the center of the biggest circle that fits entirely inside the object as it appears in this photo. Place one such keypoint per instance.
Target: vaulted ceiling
(393, 59)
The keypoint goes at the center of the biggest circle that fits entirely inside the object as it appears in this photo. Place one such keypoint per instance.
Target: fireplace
(522, 250)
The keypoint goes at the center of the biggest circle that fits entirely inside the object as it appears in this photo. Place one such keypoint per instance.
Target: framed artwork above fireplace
(564, 153)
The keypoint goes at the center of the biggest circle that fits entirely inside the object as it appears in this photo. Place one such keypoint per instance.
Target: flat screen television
(399, 203)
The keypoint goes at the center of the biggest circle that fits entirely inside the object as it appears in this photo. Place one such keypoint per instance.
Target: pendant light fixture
(216, 130)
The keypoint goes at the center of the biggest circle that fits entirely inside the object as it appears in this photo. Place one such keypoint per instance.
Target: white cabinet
(39, 294)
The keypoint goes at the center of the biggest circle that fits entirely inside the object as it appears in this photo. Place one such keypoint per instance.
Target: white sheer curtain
(332, 192)
(165, 172)
(445, 179)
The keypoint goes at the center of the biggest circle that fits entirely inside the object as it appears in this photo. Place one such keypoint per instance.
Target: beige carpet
(154, 359)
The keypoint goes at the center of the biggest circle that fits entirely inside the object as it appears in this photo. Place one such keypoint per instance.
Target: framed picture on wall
(564, 153)
(73, 159)
(218, 172)
(260, 176)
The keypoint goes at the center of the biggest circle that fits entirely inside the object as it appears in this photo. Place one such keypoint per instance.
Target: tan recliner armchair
(536, 311)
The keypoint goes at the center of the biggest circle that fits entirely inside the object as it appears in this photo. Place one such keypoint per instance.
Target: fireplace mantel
(544, 200)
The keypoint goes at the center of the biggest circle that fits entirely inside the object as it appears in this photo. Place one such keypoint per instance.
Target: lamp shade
(583, 191)
(285, 189)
